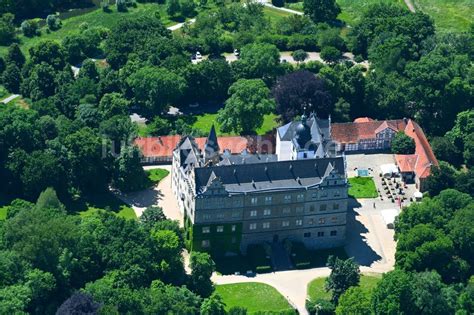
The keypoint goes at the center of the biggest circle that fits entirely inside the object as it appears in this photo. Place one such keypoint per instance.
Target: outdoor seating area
(393, 189)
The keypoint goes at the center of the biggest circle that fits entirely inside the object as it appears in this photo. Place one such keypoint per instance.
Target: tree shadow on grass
(357, 245)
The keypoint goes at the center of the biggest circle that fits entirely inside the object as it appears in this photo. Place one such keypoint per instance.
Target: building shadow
(143, 199)
(357, 245)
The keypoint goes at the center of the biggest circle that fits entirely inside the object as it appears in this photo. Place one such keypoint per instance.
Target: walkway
(179, 25)
(10, 98)
(410, 5)
(281, 8)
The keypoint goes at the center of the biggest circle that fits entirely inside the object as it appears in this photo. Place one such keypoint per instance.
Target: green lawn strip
(255, 297)
(3, 213)
(95, 18)
(204, 122)
(274, 14)
(449, 15)
(362, 187)
(352, 10)
(92, 204)
(316, 287)
(297, 6)
(156, 175)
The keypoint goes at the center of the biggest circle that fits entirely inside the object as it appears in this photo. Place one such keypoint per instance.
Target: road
(10, 98)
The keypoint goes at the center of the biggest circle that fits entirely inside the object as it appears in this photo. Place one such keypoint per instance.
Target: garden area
(303, 258)
(156, 175)
(362, 187)
(255, 297)
(316, 287)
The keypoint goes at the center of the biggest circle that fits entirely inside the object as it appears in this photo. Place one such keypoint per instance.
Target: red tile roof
(355, 131)
(163, 146)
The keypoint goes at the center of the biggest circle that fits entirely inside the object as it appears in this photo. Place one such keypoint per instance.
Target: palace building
(231, 200)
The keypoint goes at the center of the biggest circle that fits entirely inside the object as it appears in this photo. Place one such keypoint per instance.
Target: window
(322, 220)
(307, 234)
(234, 228)
(335, 206)
(323, 207)
(206, 216)
(220, 215)
(287, 198)
(205, 243)
(220, 229)
(267, 212)
(324, 194)
(334, 219)
(336, 193)
(206, 230)
(314, 195)
(311, 208)
(299, 209)
(320, 234)
(268, 200)
(235, 214)
(311, 221)
(253, 226)
(254, 200)
(286, 211)
(266, 225)
(299, 222)
(285, 223)
(300, 197)
(333, 233)
(253, 213)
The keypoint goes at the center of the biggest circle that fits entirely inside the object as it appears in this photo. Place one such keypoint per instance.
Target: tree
(54, 22)
(278, 3)
(321, 11)
(7, 29)
(112, 104)
(73, 48)
(78, 303)
(468, 153)
(344, 274)
(237, 310)
(402, 144)
(155, 88)
(41, 83)
(431, 295)
(173, 7)
(50, 52)
(331, 54)
(121, 5)
(298, 91)
(202, 268)
(244, 110)
(30, 28)
(130, 175)
(213, 306)
(151, 216)
(393, 294)
(187, 8)
(89, 70)
(355, 301)
(258, 61)
(11, 78)
(299, 55)
(15, 56)
(445, 149)
(442, 177)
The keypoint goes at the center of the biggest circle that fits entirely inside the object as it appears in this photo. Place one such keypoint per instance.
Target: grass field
(362, 187)
(94, 18)
(101, 202)
(204, 123)
(253, 296)
(449, 15)
(156, 175)
(316, 287)
(352, 10)
(274, 14)
(3, 213)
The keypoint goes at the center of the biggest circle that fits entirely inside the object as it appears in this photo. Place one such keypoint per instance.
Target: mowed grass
(93, 19)
(274, 14)
(352, 10)
(316, 287)
(362, 187)
(156, 175)
(255, 297)
(449, 15)
(3, 213)
(205, 121)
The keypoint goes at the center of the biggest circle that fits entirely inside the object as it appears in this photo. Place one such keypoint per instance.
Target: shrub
(121, 5)
(331, 54)
(53, 22)
(358, 58)
(299, 55)
(30, 28)
(320, 307)
(402, 144)
(278, 3)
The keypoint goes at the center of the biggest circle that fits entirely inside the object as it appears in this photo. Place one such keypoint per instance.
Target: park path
(10, 98)
(410, 5)
(179, 25)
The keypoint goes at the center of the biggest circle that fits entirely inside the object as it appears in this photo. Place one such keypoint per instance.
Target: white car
(198, 55)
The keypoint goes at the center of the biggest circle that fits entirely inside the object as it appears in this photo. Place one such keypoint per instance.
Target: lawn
(3, 213)
(352, 10)
(316, 287)
(362, 187)
(204, 122)
(255, 297)
(156, 175)
(274, 14)
(94, 18)
(100, 202)
(449, 15)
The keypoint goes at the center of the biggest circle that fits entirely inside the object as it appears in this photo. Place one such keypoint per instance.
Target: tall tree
(244, 110)
(344, 274)
(321, 11)
(393, 294)
(202, 268)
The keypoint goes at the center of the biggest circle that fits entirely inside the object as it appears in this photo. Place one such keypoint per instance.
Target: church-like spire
(211, 148)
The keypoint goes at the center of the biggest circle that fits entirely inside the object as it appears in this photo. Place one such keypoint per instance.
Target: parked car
(198, 55)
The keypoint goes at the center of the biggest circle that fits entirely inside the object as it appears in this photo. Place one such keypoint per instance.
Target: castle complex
(230, 201)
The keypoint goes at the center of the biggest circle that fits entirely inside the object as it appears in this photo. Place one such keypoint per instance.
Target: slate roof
(274, 176)
(318, 126)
